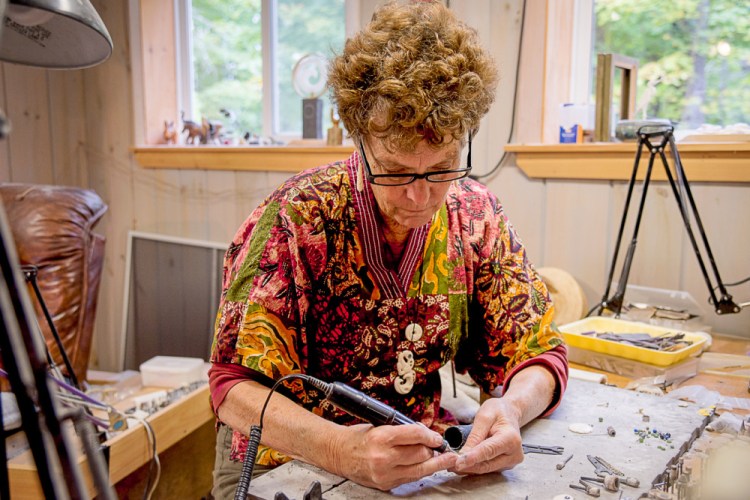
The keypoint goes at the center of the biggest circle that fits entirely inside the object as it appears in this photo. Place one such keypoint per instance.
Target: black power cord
(348, 399)
(515, 102)
(246, 474)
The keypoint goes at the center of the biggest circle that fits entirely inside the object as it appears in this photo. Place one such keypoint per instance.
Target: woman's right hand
(387, 456)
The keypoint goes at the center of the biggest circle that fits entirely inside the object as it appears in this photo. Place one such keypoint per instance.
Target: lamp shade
(54, 34)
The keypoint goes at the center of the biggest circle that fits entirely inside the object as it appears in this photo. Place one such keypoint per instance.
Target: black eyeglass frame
(428, 176)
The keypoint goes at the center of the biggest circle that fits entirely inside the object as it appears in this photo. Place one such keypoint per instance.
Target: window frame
(545, 85)
(582, 70)
(269, 42)
(581, 74)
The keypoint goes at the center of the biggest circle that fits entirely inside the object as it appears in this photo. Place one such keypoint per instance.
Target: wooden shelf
(258, 158)
(703, 162)
(129, 449)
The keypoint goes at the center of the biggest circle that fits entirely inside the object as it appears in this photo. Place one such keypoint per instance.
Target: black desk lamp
(55, 34)
(656, 138)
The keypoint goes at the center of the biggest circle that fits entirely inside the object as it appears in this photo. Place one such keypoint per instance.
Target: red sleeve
(556, 361)
(224, 376)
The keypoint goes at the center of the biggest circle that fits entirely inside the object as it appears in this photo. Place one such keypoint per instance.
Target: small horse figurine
(194, 130)
(211, 131)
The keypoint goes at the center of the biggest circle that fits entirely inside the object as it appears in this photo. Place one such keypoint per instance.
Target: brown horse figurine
(194, 130)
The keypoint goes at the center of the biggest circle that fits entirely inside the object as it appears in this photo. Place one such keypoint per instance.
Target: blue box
(571, 135)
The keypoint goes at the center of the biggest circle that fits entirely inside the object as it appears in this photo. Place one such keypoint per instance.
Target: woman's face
(411, 205)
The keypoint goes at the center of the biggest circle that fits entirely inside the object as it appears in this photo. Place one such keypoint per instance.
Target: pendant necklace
(404, 381)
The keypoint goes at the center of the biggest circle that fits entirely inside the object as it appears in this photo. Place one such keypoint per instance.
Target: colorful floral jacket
(306, 289)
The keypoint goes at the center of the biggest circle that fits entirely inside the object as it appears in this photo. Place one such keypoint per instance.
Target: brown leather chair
(53, 230)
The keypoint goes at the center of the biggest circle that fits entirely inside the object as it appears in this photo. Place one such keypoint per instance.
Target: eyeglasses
(403, 179)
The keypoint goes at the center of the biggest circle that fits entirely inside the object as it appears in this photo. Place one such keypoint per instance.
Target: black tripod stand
(656, 138)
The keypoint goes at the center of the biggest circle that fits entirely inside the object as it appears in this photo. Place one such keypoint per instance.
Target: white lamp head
(61, 34)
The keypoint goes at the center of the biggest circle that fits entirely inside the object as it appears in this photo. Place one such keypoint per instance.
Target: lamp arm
(647, 137)
(686, 203)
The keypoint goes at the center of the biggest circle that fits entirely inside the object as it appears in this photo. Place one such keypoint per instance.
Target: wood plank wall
(77, 128)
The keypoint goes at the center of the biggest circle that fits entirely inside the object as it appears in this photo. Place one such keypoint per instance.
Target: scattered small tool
(603, 467)
(313, 492)
(610, 481)
(561, 465)
(611, 431)
(586, 487)
(666, 342)
(544, 450)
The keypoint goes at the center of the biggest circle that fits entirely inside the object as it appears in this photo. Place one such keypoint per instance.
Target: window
(236, 59)
(693, 56)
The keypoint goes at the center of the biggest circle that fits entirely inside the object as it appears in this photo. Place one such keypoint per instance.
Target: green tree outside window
(693, 56)
(228, 58)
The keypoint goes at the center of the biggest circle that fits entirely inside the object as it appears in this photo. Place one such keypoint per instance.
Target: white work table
(598, 405)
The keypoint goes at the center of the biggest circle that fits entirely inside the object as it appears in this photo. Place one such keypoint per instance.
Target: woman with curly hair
(378, 270)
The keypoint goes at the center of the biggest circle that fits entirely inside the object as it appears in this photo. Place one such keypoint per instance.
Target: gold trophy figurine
(335, 133)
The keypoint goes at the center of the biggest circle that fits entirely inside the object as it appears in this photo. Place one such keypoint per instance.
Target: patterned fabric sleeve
(511, 312)
(265, 296)
(265, 291)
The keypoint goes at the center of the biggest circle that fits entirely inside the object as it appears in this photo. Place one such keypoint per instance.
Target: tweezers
(544, 450)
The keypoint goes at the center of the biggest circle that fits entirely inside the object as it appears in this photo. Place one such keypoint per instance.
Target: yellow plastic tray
(572, 332)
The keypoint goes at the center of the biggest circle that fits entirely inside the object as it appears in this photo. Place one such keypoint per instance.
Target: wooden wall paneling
(658, 256)
(168, 203)
(4, 153)
(531, 80)
(194, 202)
(109, 134)
(145, 209)
(613, 210)
(30, 143)
(575, 232)
(68, 127)
(224, 196)
(559, 57)
(725, 213)
(477, 14)
(502, 42)
(159, 65)
(656, 262)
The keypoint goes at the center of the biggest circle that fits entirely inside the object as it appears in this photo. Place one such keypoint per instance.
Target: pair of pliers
(544, 450)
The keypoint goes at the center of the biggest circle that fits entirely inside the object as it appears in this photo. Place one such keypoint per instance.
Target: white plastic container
(172, 371)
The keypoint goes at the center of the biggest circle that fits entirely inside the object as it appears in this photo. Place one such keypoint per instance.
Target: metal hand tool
(455, 437)
(544, 450)
(603, 468)
(589, 489)
(610, 481)
(560, 465)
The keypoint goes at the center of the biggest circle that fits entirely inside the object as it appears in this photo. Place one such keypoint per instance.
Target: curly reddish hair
(414, 73)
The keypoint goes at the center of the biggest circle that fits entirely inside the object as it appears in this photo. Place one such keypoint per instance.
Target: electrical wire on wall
(500, 162)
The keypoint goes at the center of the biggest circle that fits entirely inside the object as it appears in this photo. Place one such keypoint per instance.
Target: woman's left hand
(495, 440)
